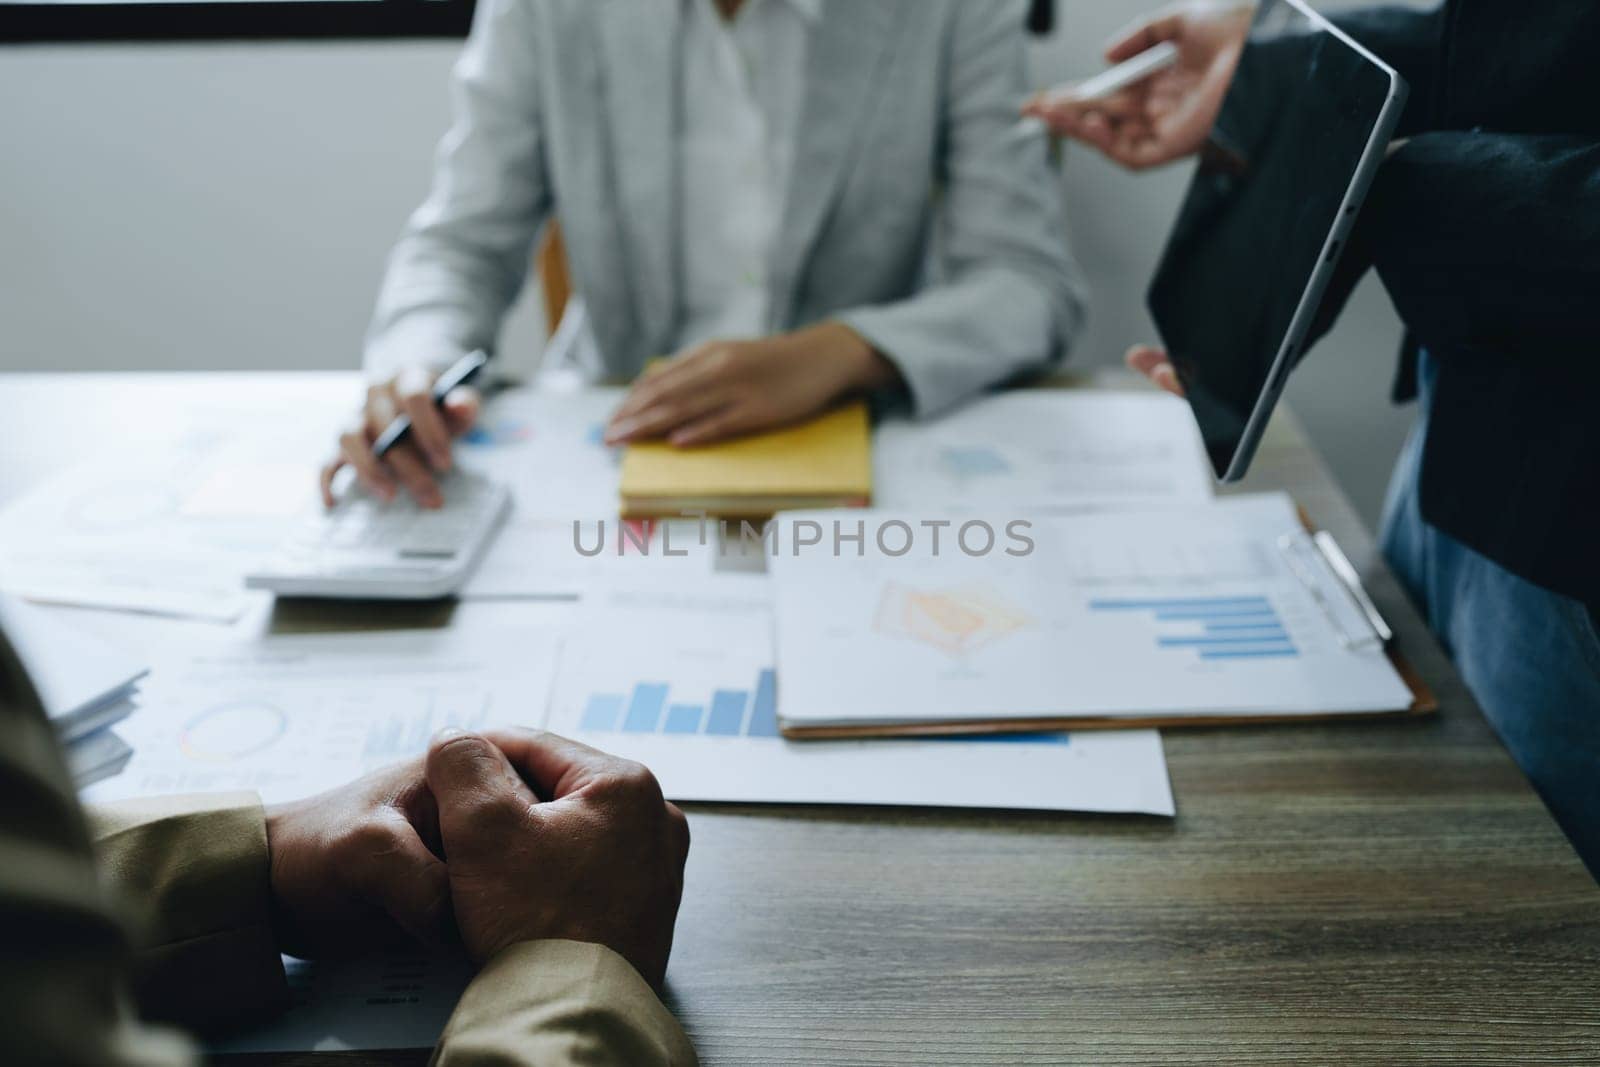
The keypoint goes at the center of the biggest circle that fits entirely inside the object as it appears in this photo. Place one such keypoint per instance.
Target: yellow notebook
(824, 463)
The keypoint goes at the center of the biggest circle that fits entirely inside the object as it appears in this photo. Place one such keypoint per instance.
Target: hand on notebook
(723, 389)
(1168, 115)
(358, 867)
(1153, 363)
(425, 452)
(547, 838)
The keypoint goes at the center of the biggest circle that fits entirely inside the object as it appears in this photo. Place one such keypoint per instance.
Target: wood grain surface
(1360, 893)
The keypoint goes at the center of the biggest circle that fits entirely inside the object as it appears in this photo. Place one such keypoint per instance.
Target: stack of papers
(85, 685)
(682, 680)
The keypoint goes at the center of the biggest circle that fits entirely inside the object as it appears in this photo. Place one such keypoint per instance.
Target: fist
(358, 867)
(547, 838)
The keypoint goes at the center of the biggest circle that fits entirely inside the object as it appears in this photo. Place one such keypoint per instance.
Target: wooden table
(1362, 893)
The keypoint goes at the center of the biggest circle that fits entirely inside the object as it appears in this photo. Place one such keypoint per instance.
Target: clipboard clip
(1304, 552)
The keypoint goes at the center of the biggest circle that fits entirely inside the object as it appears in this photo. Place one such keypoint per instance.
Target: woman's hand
(1168, 115)
(1152, 362)
(426, 450)
(723, 389)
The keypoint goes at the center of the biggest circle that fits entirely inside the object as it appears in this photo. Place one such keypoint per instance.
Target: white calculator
(364, 548)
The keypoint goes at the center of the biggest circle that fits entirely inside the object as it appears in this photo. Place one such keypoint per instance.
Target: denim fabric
(1530, 656)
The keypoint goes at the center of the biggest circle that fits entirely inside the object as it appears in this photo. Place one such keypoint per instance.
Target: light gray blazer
(907, 135)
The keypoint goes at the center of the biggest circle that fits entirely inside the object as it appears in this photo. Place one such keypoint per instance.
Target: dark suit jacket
(1485, 228)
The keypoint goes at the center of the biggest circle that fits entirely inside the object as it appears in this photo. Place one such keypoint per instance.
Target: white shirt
(743, 85)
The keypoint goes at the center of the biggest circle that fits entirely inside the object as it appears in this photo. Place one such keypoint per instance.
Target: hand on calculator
(414, 462)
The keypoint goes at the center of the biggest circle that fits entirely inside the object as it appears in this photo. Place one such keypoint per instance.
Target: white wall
(229, 206)
(226, 206)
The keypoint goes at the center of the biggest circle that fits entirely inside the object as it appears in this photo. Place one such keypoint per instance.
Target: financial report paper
(682, 680)
(563, 537)
(1183, 611)
(291, 716)
(1044, 450)
(549, 447)
(171, 524)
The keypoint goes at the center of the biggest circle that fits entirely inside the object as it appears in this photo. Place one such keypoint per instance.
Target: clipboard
(1300, 549)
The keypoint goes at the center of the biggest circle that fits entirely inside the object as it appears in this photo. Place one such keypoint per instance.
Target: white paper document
(543, 558)
(1044, 450)
(563, 537)
(1187, 611)
(683, 682)
(291, 716)
(548, 446)
(171, 532)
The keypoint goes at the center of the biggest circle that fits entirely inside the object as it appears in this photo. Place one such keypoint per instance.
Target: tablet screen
(1268, 189)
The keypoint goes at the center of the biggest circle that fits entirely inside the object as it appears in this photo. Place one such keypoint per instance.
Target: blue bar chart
(647, 709)
(1212, 628)
(685, 683)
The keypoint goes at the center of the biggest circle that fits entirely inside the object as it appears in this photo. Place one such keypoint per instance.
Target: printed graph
(233, 731)
(648, 708)
(501, 431)
(1214, 628)
(397, 731)
(964, 462)
(956, 622)
(493, 432)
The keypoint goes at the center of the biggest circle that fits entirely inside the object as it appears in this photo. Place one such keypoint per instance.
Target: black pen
(461, 372)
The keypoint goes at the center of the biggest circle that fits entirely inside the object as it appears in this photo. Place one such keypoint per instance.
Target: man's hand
(425, 452)
(358, 867)
(1153, 363)
(547, 838)
(1168, 115)
(725, 388)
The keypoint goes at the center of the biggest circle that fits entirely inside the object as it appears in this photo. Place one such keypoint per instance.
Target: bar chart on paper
(1195, 611)
(648, 708)
(684, 684)
(1210, 628)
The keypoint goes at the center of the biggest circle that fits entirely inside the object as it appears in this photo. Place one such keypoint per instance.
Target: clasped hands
(488, 841)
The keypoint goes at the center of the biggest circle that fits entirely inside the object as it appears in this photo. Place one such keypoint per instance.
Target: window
(164, 20)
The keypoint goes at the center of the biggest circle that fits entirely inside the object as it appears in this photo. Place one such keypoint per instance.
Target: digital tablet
(1304, 126)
